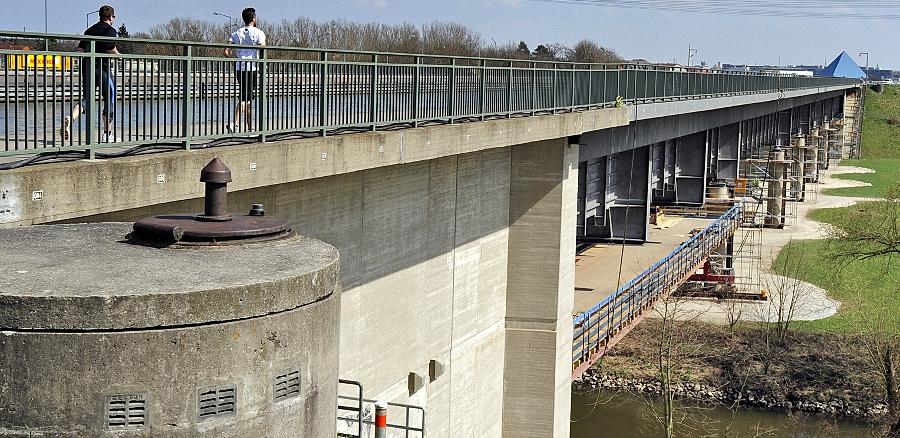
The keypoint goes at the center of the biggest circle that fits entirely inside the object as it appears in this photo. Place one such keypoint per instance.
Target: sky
(653, 35)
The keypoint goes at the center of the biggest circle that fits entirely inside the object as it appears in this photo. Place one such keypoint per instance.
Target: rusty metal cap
(216, 172)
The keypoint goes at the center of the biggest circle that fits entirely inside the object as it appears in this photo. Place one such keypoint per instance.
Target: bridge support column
(540, 290)
(691, 155)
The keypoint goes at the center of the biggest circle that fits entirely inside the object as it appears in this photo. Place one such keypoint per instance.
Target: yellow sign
(39, 62)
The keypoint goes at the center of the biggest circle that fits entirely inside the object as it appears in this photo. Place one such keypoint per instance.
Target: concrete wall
(424, 267)
(540, 301)
(81, 188)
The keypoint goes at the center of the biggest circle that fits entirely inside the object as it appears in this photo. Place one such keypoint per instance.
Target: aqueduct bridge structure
(455, 189)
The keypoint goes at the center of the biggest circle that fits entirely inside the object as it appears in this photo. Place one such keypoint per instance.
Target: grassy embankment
(868, 290)
(881, 146)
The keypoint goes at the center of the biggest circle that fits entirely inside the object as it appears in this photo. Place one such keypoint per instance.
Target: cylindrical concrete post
(103, 338)
(775, 207)
(381, 419)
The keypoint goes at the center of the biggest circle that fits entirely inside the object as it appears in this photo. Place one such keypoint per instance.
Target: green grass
(880, 149)
(887, 174)
(868, 290)
(881, 140)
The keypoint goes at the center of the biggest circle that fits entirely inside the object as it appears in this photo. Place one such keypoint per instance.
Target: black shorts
(247, 84)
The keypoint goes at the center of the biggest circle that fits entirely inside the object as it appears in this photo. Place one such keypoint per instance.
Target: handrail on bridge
(595, 329)
(182, 95)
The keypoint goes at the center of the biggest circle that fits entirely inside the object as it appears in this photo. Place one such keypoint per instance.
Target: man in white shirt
(246, 70)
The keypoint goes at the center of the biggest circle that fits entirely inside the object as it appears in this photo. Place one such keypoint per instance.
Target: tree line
(436, 38)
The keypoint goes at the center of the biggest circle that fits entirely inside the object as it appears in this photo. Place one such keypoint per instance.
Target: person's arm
(227, 51)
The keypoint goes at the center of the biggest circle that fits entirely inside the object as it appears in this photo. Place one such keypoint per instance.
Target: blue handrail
(596, 326)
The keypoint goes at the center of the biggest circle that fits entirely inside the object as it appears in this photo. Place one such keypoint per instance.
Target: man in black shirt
(103, 77)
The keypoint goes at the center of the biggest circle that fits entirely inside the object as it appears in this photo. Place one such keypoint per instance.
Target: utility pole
(46, 40)
(87, 18)
(691, 53)
(867, 64)
(229, 17)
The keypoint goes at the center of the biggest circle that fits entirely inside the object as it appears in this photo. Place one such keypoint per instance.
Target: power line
(787, 8)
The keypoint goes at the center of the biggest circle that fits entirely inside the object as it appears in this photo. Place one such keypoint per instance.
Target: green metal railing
(179, 95)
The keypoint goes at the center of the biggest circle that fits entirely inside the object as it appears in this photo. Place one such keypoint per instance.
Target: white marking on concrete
(37, 195)
(9, 205)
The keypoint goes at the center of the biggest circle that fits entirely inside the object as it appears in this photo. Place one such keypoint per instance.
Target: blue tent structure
(843, 67)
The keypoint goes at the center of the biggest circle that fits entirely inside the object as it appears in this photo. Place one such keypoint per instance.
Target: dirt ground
(814, 367)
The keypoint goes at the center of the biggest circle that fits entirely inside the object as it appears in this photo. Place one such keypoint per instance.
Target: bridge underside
(664, 159)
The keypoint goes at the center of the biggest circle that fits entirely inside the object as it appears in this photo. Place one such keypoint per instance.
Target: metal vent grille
(126, 411)
(217, 401)
(287, 385)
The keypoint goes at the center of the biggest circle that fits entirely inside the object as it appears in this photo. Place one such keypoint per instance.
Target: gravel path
(815, 303)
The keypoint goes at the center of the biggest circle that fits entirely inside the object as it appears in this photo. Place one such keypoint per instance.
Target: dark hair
(106, 12)
(248, 14)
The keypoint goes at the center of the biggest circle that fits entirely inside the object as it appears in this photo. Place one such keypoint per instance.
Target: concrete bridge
(455, 190)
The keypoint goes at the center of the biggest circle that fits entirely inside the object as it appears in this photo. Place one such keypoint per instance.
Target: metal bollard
(381, 419)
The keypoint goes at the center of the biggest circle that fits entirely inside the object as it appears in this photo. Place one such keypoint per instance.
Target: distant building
(843, 67)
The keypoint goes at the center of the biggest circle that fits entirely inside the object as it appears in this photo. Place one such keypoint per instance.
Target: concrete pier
(103, 338)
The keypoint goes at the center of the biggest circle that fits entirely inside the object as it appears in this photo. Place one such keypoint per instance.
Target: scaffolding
(834, 139)
(746, 261)
(852, 125)
(804, 170)
(770, 188)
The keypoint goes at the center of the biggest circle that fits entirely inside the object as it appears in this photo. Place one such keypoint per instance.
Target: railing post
(509, 88)
(483, 93)
(323, 90)
(533, 86)
(373, 97)
(574, 86)
(187, 83)
(263, 99)
(555, 102)
(90, 96)
(416, 90)
(590, 87)
(452, 98)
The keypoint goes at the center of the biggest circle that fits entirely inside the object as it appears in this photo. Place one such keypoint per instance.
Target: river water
(625, 415)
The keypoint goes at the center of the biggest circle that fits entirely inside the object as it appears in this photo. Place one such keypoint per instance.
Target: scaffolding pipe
(775, 210)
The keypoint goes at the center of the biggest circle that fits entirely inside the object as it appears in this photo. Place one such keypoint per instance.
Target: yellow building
(38, 62)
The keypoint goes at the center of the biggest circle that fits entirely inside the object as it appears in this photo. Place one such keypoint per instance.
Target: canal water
(625, 415)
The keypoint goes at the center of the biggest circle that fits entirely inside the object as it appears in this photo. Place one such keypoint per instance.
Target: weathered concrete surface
(59, 277)
(541, 278)
(423, 269)
(57, 382)
(83, 188)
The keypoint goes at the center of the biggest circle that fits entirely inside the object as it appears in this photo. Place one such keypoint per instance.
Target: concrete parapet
(105, 338)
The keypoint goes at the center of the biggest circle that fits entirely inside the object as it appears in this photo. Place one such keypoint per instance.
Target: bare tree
(734, 312)
(589, 51)
(677, 341)
(869, 229)
(786, 291)
(877, 335)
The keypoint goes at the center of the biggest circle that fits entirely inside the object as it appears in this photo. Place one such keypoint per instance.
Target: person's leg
(108, 91)
(251, 96)
(79, 107)
(248, 115)
(239, 107)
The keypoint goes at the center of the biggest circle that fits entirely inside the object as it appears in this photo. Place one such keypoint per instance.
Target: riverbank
(808, 372)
